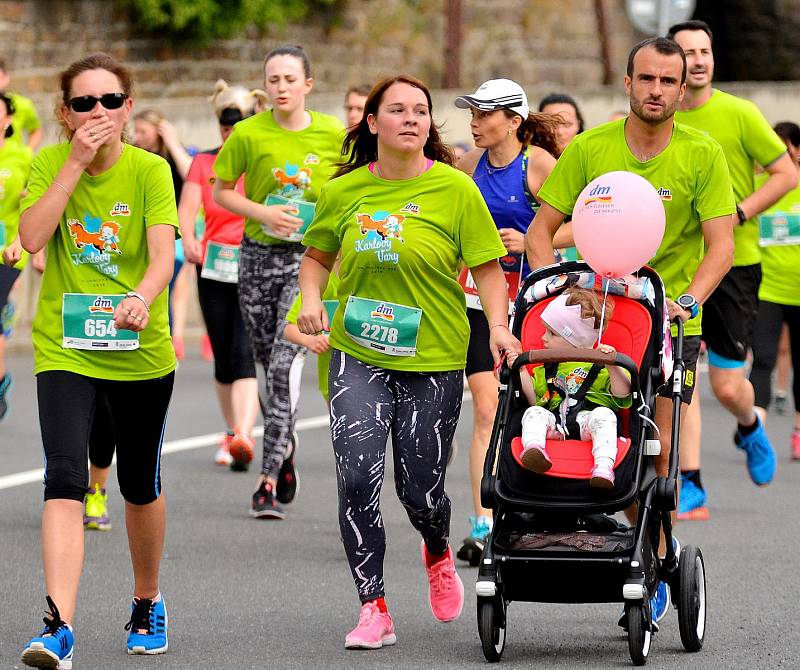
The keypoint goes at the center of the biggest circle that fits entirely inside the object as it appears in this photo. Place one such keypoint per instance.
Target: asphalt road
(248, 594)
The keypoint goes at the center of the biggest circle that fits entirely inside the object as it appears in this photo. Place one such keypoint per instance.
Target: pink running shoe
(796, 445)
(602, 477)
(535, 459)
(445, 592)
(375, 629)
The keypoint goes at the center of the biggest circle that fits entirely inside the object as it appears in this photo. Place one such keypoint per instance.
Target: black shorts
(7, 278)
(730, 313)
(479, 356)
(67, 405)
(691, 350)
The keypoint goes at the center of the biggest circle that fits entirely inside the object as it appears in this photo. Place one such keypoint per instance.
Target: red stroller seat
(629, 333)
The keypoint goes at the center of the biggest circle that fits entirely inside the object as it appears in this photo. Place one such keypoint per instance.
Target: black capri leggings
(233, 355)
(766, 337)
(67, 403)
(420, 410)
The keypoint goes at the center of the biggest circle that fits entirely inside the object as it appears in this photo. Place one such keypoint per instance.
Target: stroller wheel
(692, 598)
(639, 631)
(492, 627)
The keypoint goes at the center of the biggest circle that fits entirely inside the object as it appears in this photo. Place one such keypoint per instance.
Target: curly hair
(591, 305)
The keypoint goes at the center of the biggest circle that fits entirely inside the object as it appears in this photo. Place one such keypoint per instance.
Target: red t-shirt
(221, 225)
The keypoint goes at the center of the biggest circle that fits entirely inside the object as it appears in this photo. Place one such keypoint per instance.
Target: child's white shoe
(535, 459)
(602, 477)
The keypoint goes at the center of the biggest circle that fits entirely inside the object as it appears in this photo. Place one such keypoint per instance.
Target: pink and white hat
(565, 320)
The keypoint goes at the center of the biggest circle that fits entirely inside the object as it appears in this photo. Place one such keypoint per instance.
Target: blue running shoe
(54, 648)
(148, 627)
(692, 502)
(5, 388)
(471, 548)
(659, 603)
(760, 454)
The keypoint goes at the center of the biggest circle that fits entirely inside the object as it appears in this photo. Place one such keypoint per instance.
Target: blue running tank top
(508, 198)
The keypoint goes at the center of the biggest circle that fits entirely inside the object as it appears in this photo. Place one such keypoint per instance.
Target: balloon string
(603, 311)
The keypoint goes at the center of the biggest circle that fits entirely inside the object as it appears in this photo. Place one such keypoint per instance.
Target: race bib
(383, 326)
(3, 241)
(88, 323)
(778, 229)
(221, 263)
(471, 289)
(305, 211)
(330, 308)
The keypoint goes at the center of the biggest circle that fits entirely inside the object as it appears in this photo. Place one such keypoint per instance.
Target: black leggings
(766, 336)
(420, 410)
(67, 405)
(233, 355)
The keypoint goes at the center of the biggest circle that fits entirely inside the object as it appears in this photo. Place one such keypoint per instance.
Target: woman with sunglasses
(404, 221)
(106, 212)
(286, 154)
(217, 278)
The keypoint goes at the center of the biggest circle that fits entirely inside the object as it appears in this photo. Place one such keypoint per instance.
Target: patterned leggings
(267, 288)
(420, 410)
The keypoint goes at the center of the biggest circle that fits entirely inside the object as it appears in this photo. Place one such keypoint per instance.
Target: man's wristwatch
(740, 213)
(689, 303)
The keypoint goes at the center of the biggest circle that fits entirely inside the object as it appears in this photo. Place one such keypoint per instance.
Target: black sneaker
(264, 505)
(286, 489)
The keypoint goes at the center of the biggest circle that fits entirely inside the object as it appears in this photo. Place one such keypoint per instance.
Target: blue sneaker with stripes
(148, 627)
(54, 647)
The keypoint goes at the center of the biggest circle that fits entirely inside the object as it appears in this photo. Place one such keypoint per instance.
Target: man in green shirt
(25, 117)
(747, 140)
(687, 169)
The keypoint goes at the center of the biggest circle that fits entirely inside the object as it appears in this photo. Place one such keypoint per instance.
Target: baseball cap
(497, 94)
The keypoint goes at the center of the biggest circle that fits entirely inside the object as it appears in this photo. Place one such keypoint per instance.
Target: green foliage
(203, 20)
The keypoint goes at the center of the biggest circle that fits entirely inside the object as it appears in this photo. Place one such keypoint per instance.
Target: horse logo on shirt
(292, 180)
(103, 240)
(389, 227)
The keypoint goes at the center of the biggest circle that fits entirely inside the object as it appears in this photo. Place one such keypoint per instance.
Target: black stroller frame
(551, 547)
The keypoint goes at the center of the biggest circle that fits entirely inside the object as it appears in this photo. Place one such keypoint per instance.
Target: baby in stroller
(574, 400)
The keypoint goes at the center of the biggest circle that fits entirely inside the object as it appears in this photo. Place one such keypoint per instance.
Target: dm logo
(383, 311)
(101, 306)
(120, 209)
(601, 194)
(227, 254)
(664, 193)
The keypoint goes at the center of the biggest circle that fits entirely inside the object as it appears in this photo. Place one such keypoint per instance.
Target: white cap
(497, 94)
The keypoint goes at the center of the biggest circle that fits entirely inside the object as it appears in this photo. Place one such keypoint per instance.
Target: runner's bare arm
(718, 234)
(493, 291)
(540, 166)
(539, 238)
(782, 179)
(189, 206)
(315, 269)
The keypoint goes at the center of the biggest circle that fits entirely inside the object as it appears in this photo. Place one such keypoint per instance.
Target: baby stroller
(553, 538)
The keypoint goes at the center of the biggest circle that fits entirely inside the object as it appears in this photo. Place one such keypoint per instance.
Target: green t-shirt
(275, 161)
(15, 165)
(569, 375)
(100, 247)
(780, 264)
(402, 242)
(746, 138)
(25, 118)
(690, 175)
(324, 359)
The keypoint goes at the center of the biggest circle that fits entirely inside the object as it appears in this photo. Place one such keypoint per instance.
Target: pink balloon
(618, 223)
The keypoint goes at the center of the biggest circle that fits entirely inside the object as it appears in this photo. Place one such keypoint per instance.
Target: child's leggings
(598, 425)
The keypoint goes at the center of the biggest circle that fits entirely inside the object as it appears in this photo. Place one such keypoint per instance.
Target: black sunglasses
(86, 103)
